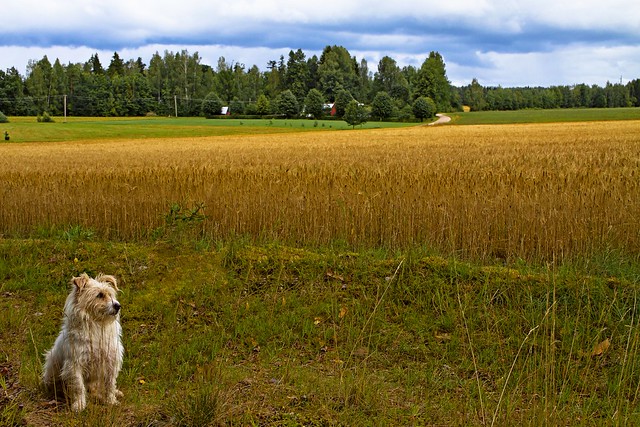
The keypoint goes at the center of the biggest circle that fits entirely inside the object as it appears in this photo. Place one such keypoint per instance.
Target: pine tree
(116, 67)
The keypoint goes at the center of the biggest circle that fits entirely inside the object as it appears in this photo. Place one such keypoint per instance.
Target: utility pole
(175, 104)
(65, 109)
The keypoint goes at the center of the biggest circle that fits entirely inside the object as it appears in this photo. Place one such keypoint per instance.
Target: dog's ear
(80, 282)
(109, 279)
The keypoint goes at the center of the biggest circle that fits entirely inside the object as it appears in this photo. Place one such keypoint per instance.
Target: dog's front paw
(119, 394)
(112, 399)
(78, 405)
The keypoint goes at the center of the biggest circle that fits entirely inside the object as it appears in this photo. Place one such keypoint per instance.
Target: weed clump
(45, 118)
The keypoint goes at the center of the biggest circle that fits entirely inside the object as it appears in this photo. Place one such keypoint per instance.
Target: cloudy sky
(499, 42)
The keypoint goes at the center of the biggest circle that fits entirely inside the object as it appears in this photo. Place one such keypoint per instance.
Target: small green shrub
(45, 118)
(3, 118)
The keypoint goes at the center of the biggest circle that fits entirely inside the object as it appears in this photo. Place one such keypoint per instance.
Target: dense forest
(180, 84)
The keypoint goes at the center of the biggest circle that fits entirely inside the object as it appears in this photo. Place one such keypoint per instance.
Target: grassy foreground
(239, 334)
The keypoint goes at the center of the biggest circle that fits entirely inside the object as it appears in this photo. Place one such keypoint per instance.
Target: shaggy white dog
(87, 355)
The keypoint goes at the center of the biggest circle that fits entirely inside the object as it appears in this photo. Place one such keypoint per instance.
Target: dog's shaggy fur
(87, 355)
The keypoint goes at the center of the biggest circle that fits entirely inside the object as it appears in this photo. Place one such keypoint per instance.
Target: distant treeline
(178, 83)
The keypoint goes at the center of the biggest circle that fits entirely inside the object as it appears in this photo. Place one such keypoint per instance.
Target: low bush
(45, 118)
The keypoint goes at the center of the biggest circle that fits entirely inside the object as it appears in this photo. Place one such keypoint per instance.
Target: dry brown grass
(533, 191)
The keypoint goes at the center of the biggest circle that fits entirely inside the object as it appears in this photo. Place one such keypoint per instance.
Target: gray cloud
(488, 39)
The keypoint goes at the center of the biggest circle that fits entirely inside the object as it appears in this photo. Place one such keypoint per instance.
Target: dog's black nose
(116, 306)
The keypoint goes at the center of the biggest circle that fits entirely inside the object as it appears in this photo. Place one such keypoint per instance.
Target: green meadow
(26, 129)
(545, 116)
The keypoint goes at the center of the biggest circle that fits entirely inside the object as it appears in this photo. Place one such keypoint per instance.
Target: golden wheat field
(538, 191)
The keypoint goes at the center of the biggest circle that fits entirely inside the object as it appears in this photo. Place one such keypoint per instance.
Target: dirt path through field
(441, 120)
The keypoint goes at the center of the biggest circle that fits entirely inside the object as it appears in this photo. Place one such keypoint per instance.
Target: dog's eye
(101, 295)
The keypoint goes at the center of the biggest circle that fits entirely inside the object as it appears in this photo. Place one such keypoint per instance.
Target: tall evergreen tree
(139, 65)
(94, 65)
(312, 68)
(336, 70)
(297, 74)
(116, 67)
